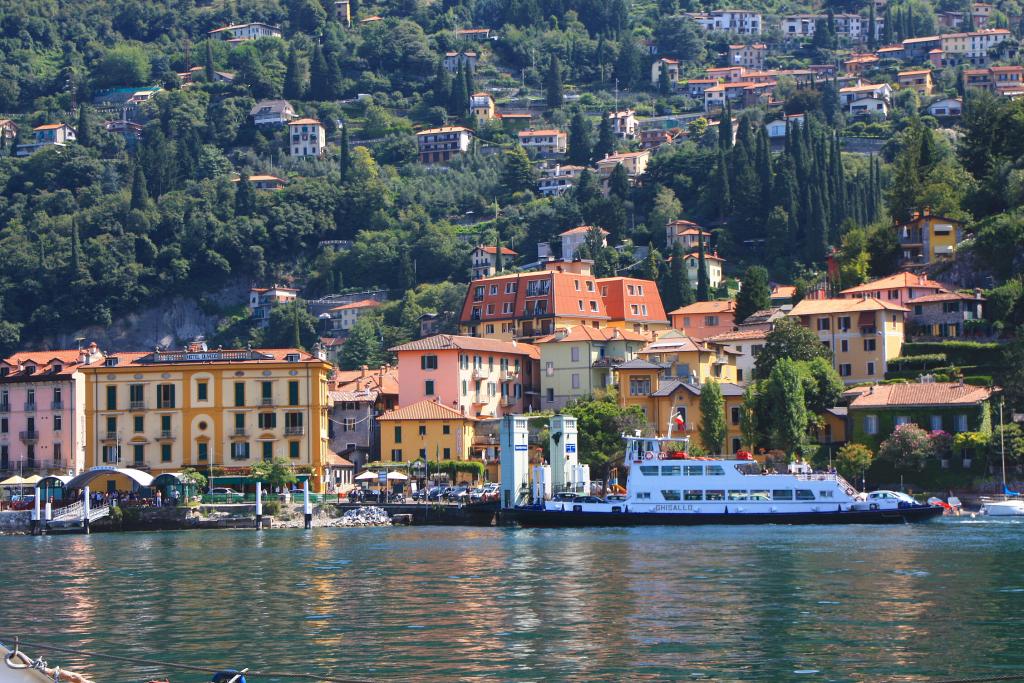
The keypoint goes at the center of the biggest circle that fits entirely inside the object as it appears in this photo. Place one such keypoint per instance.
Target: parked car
(476, 495)
(228, 493)
(565, 496)
(615, 498)
(457, 494)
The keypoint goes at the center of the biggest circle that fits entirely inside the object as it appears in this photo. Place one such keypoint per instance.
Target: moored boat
(666, 486)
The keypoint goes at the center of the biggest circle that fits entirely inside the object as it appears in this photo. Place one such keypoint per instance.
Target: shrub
(908, 448)
(272, 507)
(853, 460)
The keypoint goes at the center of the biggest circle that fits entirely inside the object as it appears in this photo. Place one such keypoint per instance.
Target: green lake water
(924, 602)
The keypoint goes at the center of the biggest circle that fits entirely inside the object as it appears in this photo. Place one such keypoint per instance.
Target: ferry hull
(536, 517)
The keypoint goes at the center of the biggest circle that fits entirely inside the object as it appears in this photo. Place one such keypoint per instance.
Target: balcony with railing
(478, 373)
(294, 430)
(30, 406)
(267, 401)
(239, 431)
(110, 436)
(137, 405)
(5, 407)
(57, 405)
(166, 435)
(29, 436)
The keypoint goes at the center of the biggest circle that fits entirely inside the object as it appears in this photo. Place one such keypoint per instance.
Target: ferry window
(670, 470)
(804, 494)
(824, 494)
(671, 495)
(759, 495)
(693, 495)
(715, 470)
(646, 495)
(714, 495)
(649, 470)
(737, 495)
(693, 470)
(782, 494)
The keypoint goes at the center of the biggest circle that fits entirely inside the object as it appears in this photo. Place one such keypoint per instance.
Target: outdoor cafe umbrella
(367, 475)
(32, 481)
(397, 476)
(13, 481)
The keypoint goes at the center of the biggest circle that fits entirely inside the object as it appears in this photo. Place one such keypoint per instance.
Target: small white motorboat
(1011, 507)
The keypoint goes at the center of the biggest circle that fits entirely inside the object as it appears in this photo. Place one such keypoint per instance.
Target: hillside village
(794, 229)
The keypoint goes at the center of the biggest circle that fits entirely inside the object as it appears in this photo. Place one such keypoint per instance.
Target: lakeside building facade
(216, 411)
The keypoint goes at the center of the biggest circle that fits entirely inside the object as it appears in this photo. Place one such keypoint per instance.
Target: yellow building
(927, 238)
(219, 410)
(425, 429)
(481, 106)
(918, 80)
(691, 360)
(661, 396)
(862, 334)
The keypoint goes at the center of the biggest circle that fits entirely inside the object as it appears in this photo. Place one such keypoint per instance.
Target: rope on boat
(184, 667)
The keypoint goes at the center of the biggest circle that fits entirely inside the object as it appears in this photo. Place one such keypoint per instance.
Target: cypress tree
(605, 139)
(764, 170)
(499, 256)
(344, 155)
(579, 139)
(459, 102)
(319, 84)
(245, 200)
(664, 82)
(553, 83)
(211, 72)
(872, 27)
(442, 86)
(139, 194)
(79, 270)
(703, 282)
(84, 133)
(618, 183)
(470, 85)
(720, 187)
(294, 77)
(725, 128)
(712, 417)
(887, 27)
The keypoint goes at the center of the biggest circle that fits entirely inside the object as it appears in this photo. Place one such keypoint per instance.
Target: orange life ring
(649, 455)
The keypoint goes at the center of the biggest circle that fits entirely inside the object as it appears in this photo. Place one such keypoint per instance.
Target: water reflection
(427, 603)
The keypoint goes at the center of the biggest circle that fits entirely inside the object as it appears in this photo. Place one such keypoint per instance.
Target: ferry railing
(825, 476)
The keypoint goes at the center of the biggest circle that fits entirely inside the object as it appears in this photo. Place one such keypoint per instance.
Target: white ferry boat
(667, 486)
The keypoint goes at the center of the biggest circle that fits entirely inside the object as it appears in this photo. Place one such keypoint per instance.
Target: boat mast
(1002, 444)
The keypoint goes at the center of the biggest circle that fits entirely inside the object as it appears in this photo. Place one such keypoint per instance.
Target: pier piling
(307, 509)
(259, 505)
(85, 509)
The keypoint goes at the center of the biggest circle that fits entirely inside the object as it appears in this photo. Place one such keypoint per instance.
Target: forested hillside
(108, 225)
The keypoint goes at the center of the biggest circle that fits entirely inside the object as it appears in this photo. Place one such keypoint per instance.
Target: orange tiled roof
(386, 381)
(701, 307)
(488, 249)
(740, 335)
(826, 306)
(445, 129)
(365, 303)
(588, 333)
(307, 122)
(920, 394)
(453, 342)
(943, 296)
(582, 228)
(425, 410)
(904, 279)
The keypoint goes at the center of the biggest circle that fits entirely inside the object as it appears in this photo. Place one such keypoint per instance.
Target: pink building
(42, 411)
(479, 377)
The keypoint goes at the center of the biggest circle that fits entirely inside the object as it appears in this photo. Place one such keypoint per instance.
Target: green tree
(580, 132)
(296, 76)
(627, 66)
(605, 139)
(274, 473)
(601, 422)
(788, 417)
(364, 345)
(245, 197)
(518, 174)
(703, 281)
(306, 16)
(749, 430)
(664, 82)
(553, 83)
(320, 85)
(853, 460)
(282, 323)
(84, 134)
(140, 196)
(123, 64)
(209, 68)
(344, 155)
(666, 208)
(650, 269)
(459, 103)
(676, 289)
(618, 183)
(755, 294)
(789, 340)
(712, 417)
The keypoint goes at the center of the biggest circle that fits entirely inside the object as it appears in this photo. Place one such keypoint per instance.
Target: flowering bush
(908, 448)
(942, 444)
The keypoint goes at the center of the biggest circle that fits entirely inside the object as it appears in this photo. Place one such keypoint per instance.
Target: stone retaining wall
(16, 521)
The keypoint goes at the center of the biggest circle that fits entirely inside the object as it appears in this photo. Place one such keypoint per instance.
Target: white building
(746, 345)
(241, 32)
(557, 180)
(484, 260)
(574, 238)
(262, 299)
(272, 113)
(47, 135)
(851, 93)
(849, 26)
(343, 317)
(950, 106)
(542, 143)
(306, 138)
(624, 123)
(874, 107)
(729, 20)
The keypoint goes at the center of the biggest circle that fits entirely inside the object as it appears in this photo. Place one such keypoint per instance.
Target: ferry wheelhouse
(665, 485)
